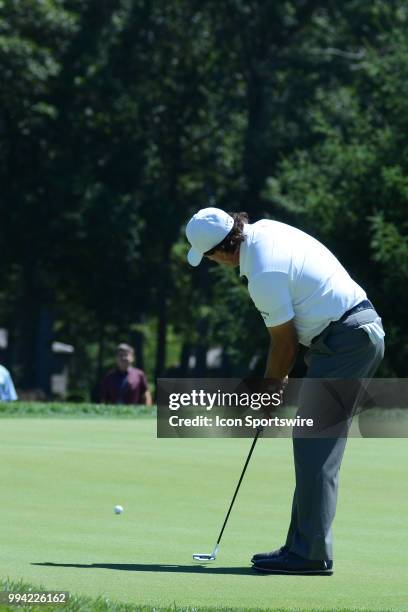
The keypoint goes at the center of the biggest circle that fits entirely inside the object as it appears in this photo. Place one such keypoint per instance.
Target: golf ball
(118, 509)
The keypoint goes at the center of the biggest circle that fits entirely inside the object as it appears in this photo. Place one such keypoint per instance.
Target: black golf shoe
(290, 563)
(270, 555)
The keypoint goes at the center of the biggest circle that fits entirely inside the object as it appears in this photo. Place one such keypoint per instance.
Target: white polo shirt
(293, 276)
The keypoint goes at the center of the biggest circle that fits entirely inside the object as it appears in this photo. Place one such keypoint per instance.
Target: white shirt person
(7, 390)
(307, 297)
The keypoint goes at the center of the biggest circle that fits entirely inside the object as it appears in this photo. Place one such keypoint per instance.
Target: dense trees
(120, 118)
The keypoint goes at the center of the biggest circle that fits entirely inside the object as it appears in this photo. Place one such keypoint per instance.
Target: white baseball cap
(205, 230)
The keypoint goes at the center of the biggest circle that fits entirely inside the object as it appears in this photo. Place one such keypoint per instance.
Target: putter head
(203, 558)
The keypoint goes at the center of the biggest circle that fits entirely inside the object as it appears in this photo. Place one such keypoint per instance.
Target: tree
(349, 188)
(33, 38)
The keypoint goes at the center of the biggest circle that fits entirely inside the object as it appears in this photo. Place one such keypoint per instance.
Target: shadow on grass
(144, 567)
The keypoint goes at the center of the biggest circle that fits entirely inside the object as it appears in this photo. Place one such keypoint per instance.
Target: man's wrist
(275, 383)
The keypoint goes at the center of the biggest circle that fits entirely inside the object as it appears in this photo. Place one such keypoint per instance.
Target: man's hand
(274, 388)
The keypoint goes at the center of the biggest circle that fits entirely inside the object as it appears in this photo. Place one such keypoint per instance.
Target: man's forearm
(148, 398)
(280, 361)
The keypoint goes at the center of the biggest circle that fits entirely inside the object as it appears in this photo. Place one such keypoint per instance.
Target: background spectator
(125, 384)
(7, 390)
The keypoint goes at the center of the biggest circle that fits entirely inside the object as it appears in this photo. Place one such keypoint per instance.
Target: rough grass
(61, 409)
(79, 603)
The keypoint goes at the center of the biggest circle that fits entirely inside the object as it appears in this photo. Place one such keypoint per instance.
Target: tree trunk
(101, 351)
(200, 369)
(162, 318)
(184, 358)
(29, 312)
(137, 340)
(253, 162)
(43, 354)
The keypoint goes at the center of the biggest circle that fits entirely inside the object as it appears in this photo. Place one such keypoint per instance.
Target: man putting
(304, 296)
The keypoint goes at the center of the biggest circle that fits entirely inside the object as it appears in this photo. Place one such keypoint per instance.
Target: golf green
(61, 478)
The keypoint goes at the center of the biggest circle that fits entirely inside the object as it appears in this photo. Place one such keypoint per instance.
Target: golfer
(305, 296)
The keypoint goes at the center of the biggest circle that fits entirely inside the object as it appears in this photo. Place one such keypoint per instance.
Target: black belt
(364, 305)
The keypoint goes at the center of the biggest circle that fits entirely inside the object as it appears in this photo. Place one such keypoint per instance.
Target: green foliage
(350, 187)
(118, 120)
(235, 324)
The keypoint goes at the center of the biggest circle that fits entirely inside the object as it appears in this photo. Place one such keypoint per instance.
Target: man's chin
(123, 367)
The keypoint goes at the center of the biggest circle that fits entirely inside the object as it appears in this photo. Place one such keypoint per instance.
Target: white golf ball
(118, 509)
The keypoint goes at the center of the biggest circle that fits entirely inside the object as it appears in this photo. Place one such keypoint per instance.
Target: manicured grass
(61, 479)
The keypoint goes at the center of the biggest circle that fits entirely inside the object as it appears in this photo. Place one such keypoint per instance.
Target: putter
(205, 557)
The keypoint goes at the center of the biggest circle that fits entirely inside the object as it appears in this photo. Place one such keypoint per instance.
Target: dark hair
(232, 240)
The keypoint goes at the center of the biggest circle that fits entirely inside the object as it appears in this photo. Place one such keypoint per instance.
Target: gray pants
(344, 350)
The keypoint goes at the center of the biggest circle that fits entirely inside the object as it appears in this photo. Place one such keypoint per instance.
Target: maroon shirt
(124, 387)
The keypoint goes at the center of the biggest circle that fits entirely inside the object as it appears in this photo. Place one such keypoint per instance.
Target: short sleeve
(270, 294)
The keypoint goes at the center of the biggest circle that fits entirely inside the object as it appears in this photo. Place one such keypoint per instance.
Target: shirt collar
(243, 251)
